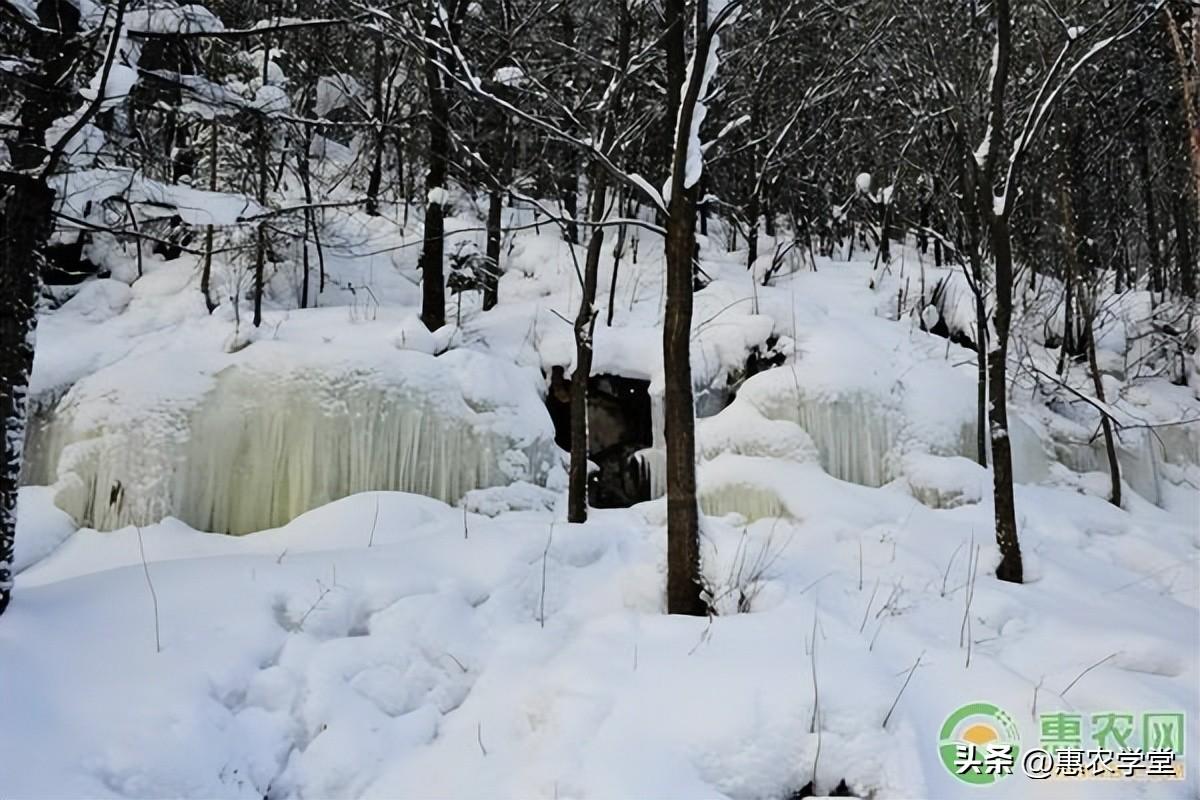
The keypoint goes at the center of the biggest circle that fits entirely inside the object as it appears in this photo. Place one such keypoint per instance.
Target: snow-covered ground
(393, 645)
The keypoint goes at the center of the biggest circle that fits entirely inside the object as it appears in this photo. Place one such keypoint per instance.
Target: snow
(356, 642)
(334, 92)
(169, 18)
(81, 196)
(271, 100)
(509, 76)
(41, 526)
(411, 334)
(435, 661)
(117, 85)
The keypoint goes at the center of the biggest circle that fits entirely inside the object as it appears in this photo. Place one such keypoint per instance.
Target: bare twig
(1063, 693)
(895, 702)
(812, 725)
(149, 583)
(324, 591)
(374, 523)
(867, 612)
(946, 574)
(542, 601)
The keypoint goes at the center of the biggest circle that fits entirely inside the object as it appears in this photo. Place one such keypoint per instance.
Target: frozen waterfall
(254, 443)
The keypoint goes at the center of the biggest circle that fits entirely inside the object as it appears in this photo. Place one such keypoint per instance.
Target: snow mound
(945, 481)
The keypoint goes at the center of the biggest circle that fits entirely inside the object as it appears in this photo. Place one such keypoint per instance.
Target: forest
(756, 399)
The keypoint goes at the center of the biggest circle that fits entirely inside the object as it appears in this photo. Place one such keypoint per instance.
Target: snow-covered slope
(387, 644)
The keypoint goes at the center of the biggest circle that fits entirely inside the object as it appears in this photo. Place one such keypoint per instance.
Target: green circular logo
(979, 744)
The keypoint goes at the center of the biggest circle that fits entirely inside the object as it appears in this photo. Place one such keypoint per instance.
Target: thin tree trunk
(1189, 84)
(618, 252)
(981, 369)
(569, 177)
(585, 327)
(1183, 252)
(260, 248)
(1071, 257)
(310, 214)
(972, 226)
(433, 285)
(377, 161)
(491, 287)
(752, 214)
(206, 271)
(1157, 270)
(585, 320)
(1110, 443)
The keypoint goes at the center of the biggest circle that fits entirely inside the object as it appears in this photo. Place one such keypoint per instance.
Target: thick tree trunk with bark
(683, 509)
(1010, 568)
(26, 226)
(26, 209)
(684, 588)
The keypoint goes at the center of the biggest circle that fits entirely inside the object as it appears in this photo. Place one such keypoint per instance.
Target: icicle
(258, 449)
(751, 501)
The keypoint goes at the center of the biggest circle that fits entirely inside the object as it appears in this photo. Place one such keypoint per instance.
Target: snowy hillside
(599, 400)
(391, 645)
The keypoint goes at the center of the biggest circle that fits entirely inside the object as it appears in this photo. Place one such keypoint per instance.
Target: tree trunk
(1071, 258)
(433, 285)
(683, 510)
(26, 219)
(377, 159)
(1183, 253)
(206, 271)
(585, 326)
(568, 185)
(684, 588)
(264, 148)
(981, 369)
(1110, 443)
(1011, 568)
(618, 252)
(491, 287)
(1189, 84)
(752, 214)
(1152, 236)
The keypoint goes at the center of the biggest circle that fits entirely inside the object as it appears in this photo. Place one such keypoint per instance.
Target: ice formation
(945, 481)
(253, 443)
